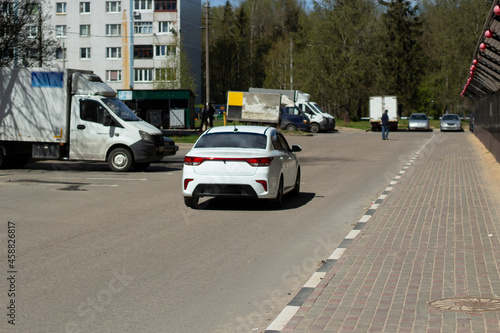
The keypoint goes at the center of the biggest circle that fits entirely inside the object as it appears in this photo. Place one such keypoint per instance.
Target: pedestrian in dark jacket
(385, 126)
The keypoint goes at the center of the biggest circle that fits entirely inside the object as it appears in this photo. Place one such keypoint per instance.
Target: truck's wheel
(291, 127)
(314, 128)
(120, 160)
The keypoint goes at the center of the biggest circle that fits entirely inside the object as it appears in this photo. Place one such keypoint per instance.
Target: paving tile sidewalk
(436, 235)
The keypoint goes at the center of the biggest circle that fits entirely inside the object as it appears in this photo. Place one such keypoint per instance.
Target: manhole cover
(467, 304)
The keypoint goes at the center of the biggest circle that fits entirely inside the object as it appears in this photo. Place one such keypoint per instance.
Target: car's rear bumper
(227, 186)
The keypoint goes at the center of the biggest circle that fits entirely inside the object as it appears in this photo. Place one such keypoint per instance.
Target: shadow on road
(240, 204)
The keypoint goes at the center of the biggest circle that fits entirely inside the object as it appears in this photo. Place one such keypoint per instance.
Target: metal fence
(487, 123)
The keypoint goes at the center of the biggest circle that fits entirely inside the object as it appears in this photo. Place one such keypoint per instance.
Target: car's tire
(278, 201)
(120, 160)
(191, 202)
(315, 128)
(141, 166)
(291, 127)
(296, 188)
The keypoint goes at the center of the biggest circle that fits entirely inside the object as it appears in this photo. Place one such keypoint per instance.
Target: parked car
(450, 122)
(241, 161)
(418, 121)
(170, 147)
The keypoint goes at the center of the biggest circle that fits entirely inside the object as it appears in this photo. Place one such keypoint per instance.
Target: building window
(84, 7)
(60, 53)
(114, 52)
(85, 53)
(113, 75)
(165, 5)
(113, 29)
(85, 30)
(60, 31)
(143, 4)
(143, 75)
(162, 51)
(60, 7)
(143, 51)
(166, 26)
(165, 74)
(113, 6)
(32, 31)
(143, 27)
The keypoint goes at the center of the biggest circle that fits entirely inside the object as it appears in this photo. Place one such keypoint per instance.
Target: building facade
(130, 44)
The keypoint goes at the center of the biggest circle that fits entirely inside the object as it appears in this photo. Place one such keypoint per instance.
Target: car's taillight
(261, 161)
(189, 160)
(254, 161)
(263, 183)
(187, 181)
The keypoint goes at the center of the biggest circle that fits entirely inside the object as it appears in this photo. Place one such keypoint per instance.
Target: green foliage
(342, 52)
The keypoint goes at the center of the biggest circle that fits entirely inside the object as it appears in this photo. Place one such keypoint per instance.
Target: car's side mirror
(108, 120)
(296, 148)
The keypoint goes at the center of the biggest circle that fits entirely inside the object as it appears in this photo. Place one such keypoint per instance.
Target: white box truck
(65, 114)
(378, 104)
(318, 119)
(265, 109)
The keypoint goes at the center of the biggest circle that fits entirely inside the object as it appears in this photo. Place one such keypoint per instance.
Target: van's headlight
(145, 136)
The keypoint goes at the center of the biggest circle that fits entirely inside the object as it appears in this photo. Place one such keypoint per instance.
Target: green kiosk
(162, 108)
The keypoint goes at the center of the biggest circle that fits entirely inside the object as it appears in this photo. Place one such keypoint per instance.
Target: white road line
(337, 253)
(352, 234)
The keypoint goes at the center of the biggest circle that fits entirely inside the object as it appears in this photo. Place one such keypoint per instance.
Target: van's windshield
(120, 109)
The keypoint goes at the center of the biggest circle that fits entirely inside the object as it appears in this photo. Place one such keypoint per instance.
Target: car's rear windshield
(232, 140)
(450, 117)
(418, 117)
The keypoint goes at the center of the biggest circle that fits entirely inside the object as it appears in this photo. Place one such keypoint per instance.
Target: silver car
(450, 122)
(418, 121)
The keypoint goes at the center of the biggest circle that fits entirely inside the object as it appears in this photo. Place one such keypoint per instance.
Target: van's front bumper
(145, 151)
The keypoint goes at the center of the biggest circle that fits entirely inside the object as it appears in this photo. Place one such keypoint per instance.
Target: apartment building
(130, 44)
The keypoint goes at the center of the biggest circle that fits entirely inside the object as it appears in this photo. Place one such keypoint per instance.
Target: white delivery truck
(72, 115)
(318, 119)
(378, 104)
(265, 109)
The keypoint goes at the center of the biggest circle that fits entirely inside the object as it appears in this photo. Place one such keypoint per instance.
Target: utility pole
(207, 70)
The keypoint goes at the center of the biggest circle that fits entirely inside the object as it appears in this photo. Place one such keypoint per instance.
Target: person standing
(204, 117)
(211, 112)
(385, 126)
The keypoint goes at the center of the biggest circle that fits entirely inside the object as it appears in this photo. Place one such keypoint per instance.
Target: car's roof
(241, 128)
(418, 114)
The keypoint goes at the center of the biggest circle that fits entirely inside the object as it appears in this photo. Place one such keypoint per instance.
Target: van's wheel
(314, 128)
(291, 127)
(120, 160)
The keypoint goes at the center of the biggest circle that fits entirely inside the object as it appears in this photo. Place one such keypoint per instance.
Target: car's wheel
(296, 188)
(120, 160)
(291, 127)
(314, 128)
(278, 201)
(191, 201)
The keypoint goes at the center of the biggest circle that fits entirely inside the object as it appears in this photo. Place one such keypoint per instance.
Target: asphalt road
(97, 251)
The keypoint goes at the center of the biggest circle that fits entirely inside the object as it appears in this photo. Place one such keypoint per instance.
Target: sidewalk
(424, 258)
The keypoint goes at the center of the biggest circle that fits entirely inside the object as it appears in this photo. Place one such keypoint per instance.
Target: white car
(241, 161)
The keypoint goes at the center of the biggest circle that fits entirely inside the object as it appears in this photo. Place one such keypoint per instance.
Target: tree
(401, 56)
(335, 63)
(176, 71)
(25, 33)
(450, 35)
